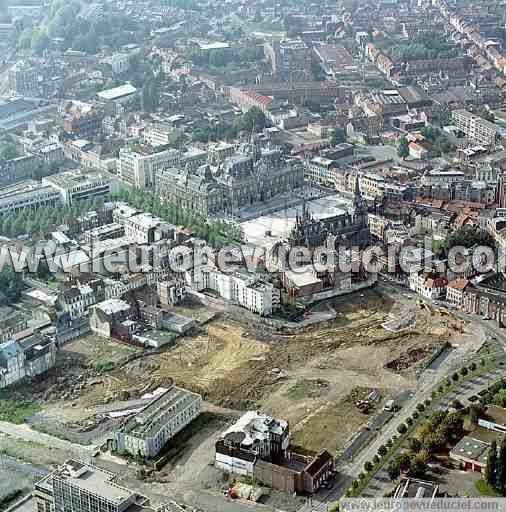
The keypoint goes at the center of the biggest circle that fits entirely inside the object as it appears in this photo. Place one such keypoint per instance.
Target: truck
(390, 406)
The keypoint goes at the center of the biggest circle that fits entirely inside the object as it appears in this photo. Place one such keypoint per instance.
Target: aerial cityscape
(252, 254)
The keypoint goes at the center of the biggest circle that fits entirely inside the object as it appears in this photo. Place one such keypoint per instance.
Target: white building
(76, 300)
(157, 134)
(81, 184)
(30, 356)
(142, 228)
(119, 98)
(442, 177)
(28, 195)
(254, 436)
(138, 166)
(248, 291)
(429, 286)
(119, 62)
(147, 432)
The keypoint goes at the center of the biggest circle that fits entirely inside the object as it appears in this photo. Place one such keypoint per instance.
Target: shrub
(472, 367)
(464, 371)
(382, 450)
(402, 429)
(420, 407)
(368, 466)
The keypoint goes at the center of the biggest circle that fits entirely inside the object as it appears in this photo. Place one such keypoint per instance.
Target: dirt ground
(309, 377)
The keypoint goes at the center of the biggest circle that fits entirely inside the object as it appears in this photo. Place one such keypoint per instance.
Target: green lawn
(17, 411)
(485, 489)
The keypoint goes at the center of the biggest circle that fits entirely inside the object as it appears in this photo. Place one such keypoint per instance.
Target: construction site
(320, 377)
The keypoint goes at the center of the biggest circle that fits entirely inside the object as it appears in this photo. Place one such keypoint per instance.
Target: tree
(474, 414)
(404, 461)
(8, 152)
(415, 445)
(382, 450)
(368, 466)
(403, 148)
(472, 367)
(217, 59)
(254, 118)
(501, 466)
(417, 468)
(491, 467)
(455, 377)
(402, 429)
(393, 470)
(338, 136)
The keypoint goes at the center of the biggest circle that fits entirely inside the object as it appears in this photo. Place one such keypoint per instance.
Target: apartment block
(476, 129)
(248, 291)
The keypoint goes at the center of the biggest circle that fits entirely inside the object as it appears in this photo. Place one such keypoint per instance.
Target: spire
(358, 196)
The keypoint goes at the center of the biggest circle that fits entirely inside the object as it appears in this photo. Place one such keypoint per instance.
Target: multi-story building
(26, 357)
(142, 228)
(147, 432)
(294, 59)
(28, 195)
(18, 169)
(196, 190)
(138, 166)
(320, 171)
(119, 99)
(82, 120)
(429, 286)
(81, 184)
(105, 232)
(476, 129)
(157, 134)
(76, 300)
(11, 322)
(171, 292)
(246, 290)
(119, 62)
(23, 79)
(77, 486)
(106, 315)
(257, 446)
(252, 175)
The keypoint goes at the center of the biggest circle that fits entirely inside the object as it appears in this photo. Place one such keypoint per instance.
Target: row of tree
(495, 470)
(38, 222)
(218, 233)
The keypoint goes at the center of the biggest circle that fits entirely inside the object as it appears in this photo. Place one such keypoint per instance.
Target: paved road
(428, 381)
(381, 483)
